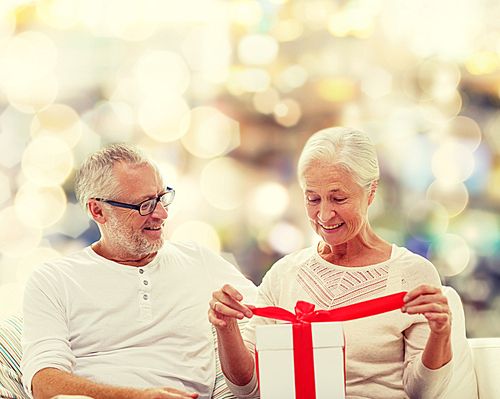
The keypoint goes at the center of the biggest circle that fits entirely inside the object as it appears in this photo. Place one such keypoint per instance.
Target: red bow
(304, 311)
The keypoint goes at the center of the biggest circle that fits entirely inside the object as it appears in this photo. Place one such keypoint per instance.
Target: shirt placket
(145, 307)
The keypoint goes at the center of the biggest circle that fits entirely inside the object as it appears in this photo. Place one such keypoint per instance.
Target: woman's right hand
(226, 307)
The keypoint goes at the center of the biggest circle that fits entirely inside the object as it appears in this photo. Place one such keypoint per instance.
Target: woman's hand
(433, 304)
(226, 307)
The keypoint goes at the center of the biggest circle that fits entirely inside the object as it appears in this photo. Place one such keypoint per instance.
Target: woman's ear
(95, 209)
(373, 190)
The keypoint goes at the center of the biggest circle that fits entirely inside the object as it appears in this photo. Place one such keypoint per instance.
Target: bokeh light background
(224, 94)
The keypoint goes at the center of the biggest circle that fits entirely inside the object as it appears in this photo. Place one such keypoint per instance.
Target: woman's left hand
(430, 301)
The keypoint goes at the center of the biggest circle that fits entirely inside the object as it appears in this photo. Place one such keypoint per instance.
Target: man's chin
(156, 245)
(149, 246)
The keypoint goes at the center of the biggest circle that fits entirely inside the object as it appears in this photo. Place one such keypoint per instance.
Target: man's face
(125, 230)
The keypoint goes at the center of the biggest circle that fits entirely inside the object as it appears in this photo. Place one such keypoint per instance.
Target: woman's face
(336, 205)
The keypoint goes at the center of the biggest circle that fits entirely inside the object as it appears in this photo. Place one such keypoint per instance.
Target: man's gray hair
(95, 176)
(344, 147)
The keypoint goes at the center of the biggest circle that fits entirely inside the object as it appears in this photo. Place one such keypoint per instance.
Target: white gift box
(274, 345)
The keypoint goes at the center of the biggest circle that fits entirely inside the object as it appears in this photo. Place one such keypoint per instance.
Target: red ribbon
(302, 335)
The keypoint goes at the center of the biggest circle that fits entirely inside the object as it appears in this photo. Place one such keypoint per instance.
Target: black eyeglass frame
(137, 207)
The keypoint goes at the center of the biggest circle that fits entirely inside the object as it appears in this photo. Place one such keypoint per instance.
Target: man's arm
(50, 382)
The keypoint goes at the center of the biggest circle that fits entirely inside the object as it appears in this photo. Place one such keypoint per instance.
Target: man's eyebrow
(148, 197)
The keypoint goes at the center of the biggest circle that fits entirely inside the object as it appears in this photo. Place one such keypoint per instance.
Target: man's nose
(160, 211)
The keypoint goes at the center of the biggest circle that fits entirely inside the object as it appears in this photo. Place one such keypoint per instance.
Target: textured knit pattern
(11, 385)
(333, 288)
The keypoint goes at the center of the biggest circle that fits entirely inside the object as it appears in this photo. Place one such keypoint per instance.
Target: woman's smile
(330, 227)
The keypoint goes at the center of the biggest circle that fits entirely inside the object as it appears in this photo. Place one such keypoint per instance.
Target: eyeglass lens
(149, 206)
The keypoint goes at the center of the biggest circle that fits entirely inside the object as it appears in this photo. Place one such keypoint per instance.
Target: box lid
(279, 336)
(274, 336)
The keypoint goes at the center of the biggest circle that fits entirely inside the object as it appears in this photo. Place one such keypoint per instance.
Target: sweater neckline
(395, 252)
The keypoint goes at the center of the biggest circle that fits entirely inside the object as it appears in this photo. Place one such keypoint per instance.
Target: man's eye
(339, 199)
(312, 200)
(146, 205)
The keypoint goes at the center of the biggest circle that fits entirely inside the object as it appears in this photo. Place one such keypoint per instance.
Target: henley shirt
(138, 327)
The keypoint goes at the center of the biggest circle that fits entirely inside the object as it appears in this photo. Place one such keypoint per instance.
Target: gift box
(305, 359)
(283, 370)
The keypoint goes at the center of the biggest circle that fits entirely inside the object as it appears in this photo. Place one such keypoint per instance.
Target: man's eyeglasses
(145, 207)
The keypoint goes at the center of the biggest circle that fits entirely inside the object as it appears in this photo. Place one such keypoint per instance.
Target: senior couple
(126, 317)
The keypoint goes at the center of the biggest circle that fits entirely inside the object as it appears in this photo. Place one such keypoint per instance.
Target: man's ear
(95, 209)
(373, 190)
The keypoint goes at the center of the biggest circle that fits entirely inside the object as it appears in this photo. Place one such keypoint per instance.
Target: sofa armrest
(11, 385)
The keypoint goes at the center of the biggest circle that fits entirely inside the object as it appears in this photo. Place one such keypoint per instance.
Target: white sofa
(486, 356)
(483, 353)
(483, 378)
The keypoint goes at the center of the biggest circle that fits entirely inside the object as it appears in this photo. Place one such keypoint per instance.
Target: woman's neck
(356, 253)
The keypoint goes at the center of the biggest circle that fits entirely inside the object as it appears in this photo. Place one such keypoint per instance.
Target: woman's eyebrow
(334, 190)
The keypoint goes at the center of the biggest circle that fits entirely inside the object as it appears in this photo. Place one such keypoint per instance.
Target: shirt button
(145, 296)
(145, 282)
(141, 271)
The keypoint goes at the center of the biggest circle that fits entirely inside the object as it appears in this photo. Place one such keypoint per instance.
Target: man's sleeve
(45, 336)
(222, 272)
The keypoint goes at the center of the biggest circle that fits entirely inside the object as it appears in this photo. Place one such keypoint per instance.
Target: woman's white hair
(95, 176)
(344, 147)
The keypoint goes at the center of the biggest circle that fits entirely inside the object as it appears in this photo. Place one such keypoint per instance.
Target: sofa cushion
(11, 385)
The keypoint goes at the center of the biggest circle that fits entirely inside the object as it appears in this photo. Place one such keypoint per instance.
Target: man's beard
(133, 241)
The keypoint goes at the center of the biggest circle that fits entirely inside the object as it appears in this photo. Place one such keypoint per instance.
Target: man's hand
(50, 382)
(168, 393)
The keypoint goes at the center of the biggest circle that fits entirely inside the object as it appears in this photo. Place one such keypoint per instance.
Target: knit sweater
(382, 352)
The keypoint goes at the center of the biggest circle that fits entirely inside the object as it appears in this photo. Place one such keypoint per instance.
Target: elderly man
(127, 316)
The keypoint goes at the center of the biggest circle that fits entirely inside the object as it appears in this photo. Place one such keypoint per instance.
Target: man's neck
(130, 260)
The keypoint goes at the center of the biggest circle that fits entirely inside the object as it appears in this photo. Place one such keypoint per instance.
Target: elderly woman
(397, 354)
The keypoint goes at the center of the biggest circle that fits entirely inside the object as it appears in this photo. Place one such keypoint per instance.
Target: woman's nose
(326, 212)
